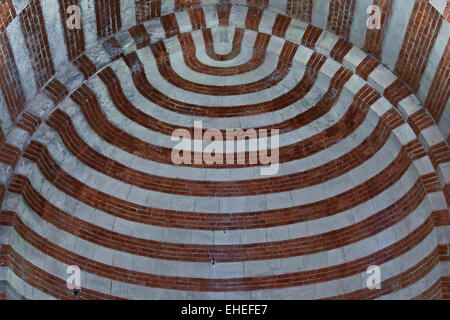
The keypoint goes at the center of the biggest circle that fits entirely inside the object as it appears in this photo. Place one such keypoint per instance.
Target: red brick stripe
(311, 36)
(4, 255)
(253, 18)
(170, 25)
(33, 29)
(340, 17)
(396, 92)
(147, 9)
(447, 15)
(415, 150)
(86, 66)
(56, 91)
(340, 50)
(392, 119)
(9, 154)
(422, 31)
(2, 136)
(280, 25)
(107, 14)
(445, 286)
(438, 291)
(223, 11)
(197, 17)
(140, 36)
(439, 92)
(300, 9)
(366, 67)
(7, 218)
(10, 84)
(431, 182)
(420, 120)
(29, 122)
(181, 4)
(8, 14)
(439, 153)
(2, 193)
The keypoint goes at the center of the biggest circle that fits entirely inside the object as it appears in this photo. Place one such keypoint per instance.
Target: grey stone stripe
(55, 32)
(21, 58)
(320, 13)
(89, 22)
(394, 35)
(26, 290)
(359, 23)
(433, 61)
(128, 13)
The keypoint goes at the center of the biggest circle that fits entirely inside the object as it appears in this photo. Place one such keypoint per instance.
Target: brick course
(424, 25)
(439, 92)
(108, 17)
(147, 9)
(340, 17)
(33, 28)
(10, 83)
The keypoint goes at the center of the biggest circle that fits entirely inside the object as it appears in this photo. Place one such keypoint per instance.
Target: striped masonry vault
(88, 180)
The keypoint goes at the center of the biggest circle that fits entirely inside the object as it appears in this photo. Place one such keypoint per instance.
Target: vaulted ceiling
(88, 179)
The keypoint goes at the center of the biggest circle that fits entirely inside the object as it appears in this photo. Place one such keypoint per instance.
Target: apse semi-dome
(355, 92)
